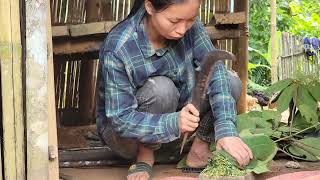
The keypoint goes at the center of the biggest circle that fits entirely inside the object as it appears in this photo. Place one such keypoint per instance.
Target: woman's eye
(173, 21)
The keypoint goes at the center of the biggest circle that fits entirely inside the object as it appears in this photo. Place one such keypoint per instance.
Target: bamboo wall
(293, 58)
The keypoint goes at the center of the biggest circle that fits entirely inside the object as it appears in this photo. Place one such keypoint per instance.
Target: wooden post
(53, 173)
(241, 66)
(11, 81)
(274, 70)
(37, 89)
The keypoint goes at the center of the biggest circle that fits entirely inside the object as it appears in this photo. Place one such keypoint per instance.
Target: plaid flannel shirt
(128, 60)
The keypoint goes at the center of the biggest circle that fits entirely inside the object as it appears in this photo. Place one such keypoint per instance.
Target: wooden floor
(76, 138)
(162, 172)
(118, 173)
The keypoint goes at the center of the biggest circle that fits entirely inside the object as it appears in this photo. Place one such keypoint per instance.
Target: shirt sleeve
(121, 104)
(222, 103)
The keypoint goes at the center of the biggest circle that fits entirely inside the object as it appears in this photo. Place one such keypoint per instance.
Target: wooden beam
(83, 29)
(216, 34)
(53, 171)
(77, 45)
(86, 154)
(229, 18)
(92, 38)
(11, 84)
(37, 89)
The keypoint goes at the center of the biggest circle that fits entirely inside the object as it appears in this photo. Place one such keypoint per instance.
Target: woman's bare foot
(144, 155)
(199, 154)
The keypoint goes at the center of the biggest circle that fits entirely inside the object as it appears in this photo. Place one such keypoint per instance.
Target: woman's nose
(181, 29)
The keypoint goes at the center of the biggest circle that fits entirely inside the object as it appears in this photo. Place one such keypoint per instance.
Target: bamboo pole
(274, 73)
(37, 89)
(11, 73)
(53, 171)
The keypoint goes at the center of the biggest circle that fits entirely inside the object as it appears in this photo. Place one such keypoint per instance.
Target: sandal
(140, 167)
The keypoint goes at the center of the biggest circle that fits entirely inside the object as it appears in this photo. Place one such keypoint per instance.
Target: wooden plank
(58, 31)
(11, 80)
(104, 27)
(229, 18)
(216, 34)
(78, 45)
(93, 43)
(37, 89)
(83, 29)
(86, 154)
(18, 92)
(53, 171)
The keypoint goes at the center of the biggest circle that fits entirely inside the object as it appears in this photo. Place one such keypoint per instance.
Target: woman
(147, 75)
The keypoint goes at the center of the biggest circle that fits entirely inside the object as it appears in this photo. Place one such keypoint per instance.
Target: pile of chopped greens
(223, 164)
(220, 165)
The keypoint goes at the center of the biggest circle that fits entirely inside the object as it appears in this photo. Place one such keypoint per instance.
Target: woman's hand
(236, 148)
(188, 119)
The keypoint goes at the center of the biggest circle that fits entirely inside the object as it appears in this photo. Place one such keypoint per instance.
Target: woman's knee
(236, 85)
(158, 95)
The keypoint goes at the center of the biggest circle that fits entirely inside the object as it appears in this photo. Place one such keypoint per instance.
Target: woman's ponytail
(136, 6)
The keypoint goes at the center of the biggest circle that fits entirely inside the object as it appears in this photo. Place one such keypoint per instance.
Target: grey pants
(159, 95)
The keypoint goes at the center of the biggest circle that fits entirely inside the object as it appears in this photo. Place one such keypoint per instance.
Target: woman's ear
(149, 7)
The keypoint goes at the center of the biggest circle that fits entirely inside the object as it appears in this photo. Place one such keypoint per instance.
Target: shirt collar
(143, 40)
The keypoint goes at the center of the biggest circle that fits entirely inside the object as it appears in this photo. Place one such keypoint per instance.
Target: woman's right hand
(188, 118)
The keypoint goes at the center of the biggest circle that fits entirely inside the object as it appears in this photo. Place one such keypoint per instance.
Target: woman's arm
(221, 100)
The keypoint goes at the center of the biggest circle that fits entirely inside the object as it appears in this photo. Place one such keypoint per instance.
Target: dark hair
(157, 4)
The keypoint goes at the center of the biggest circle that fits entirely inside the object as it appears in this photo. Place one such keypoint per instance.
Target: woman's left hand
(236, 148)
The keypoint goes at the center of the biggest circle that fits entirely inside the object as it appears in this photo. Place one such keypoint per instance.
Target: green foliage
(279, 86)
(307, 148)
(301, 97)
(263, 149)
(296, 17)
(314, 89)
(305, 18)
(285, 98)
(258, 120)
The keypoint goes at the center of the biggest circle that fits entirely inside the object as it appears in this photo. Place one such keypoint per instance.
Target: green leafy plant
(300, 96)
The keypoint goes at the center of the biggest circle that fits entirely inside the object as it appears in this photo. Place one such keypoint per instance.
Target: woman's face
(173, 22)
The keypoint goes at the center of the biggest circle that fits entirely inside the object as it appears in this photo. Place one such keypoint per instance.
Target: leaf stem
(287, 137)
(293, 156)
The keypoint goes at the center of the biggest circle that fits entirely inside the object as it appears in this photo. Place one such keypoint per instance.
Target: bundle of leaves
(223, 164)
(298, 136)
